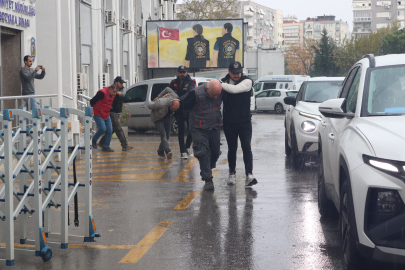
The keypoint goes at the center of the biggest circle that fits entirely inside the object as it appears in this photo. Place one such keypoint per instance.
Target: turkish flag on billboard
(167, 33)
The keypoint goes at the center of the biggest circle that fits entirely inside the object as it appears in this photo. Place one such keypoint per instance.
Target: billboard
(194, 44)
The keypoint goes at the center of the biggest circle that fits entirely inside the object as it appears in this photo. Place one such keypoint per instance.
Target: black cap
(182, 69)
(119, 79)
(235, 67)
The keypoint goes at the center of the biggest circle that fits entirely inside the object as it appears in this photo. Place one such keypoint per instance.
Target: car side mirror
(290, 100)
(332, 108)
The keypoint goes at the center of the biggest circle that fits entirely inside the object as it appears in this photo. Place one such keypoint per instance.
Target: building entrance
(10, 64)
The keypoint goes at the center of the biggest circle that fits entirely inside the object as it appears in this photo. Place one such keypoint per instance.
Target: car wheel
(287, 147)
(325, 206)
(279, 108)
(297, 161)
(351, 256)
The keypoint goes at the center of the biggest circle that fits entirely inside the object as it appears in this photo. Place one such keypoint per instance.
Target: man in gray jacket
(162, 108)
(27, 76)
(204, 103)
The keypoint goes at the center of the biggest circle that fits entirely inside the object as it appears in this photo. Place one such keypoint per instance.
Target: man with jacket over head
(182, 85)
(237, 121)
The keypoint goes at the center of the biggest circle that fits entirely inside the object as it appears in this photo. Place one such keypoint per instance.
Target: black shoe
(108, 149)
(94, 144)
(209, 186)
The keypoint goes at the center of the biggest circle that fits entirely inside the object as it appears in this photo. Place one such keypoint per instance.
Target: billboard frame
(214, 68)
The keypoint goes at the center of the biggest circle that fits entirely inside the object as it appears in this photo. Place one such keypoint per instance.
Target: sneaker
(169, 155)
(232, 179)
(209, 185)
(94, 144)
(162, 156)
(184, 156)
(108, 149)
(127, 148)
(250, 180)
(190, 152)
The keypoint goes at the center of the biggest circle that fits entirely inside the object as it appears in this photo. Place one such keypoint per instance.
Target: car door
(261, 100)
(291, 111)
(136, 98)
(337, 126)
(272, 99)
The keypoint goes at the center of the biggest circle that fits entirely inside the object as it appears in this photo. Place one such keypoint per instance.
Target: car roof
(388, 60)
(281, 90)
(325, 79)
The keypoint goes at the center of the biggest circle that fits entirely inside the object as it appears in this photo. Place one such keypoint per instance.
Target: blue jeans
(104, 126)
(32, 103)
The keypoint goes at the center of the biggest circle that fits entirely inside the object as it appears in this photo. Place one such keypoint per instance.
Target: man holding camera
(27, 76)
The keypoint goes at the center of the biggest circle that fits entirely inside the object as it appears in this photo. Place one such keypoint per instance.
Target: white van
(140, 95)
(286, 82)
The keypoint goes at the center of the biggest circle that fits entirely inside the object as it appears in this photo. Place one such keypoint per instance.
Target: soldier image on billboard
(226, 48)
(198, 49)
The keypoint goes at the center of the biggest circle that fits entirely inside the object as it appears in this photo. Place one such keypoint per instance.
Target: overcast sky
(342, 9)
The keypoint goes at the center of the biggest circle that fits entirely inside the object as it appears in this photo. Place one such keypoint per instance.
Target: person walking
(115, 115)
(27, 76)
(205, 103)
(237, 121)
(162, 108)
(101, 104)
(182, 85)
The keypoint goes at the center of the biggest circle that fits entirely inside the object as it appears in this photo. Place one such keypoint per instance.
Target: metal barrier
(42, 187)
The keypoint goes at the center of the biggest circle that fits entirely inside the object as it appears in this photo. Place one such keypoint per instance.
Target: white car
(362, 159)
(302, 116)
(273, 100)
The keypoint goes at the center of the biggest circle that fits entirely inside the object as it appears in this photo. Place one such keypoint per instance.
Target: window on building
(383, 14)
(381, 25)
(252, 73)
(401, 13)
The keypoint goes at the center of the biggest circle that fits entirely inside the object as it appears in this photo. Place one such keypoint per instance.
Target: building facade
(371, 15)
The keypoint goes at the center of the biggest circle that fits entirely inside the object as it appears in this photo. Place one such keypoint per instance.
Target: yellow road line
(187, 200)
(215, 172)
(95, 160)
(154, 175)
(186, 170)
(146, 243)
(80, 246)
(111, 164)
(120, 170)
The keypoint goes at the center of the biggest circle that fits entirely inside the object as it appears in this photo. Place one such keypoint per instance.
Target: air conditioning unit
(109, 18)
(126, 26)
(106, 80)
(82, 81)
(140, 31)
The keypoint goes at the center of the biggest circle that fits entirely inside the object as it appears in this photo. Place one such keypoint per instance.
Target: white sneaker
(232, 179)
(190, 152)
(250, 181)
(184, 156)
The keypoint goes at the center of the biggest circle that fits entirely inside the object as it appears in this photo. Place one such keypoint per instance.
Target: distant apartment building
(372, 15)
(297, 32)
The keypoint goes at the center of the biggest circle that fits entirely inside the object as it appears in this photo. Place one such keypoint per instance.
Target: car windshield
(319, 92)
(386, 93)
(291, 93)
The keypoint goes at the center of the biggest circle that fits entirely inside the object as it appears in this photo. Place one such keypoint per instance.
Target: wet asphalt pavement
(154, 214)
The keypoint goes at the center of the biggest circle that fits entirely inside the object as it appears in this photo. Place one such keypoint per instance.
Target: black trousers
(243, 131)
(206, 147)
(181, 119)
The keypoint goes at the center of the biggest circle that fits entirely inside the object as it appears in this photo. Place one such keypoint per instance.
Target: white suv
(302, 117)
(362, 159)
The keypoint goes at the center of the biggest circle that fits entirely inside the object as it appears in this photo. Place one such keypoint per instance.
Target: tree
(299, 59)
(324, 62)
(208, 9)
(394, 43)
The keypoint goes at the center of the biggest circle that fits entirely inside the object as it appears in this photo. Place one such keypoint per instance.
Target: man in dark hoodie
(237, 121)
(182, 85)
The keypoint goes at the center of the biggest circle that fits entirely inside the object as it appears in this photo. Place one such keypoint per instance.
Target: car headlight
(308, 126)
(391, 167)
(312, 116)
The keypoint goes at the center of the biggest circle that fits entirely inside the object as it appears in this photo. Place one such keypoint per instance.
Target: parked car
(302, 117)
(273, 100)
(287, 82)
(139, 96)
(362, 159)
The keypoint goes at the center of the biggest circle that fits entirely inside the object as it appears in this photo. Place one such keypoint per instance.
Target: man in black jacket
(237, 120)
(182, 85)
(115, 114)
